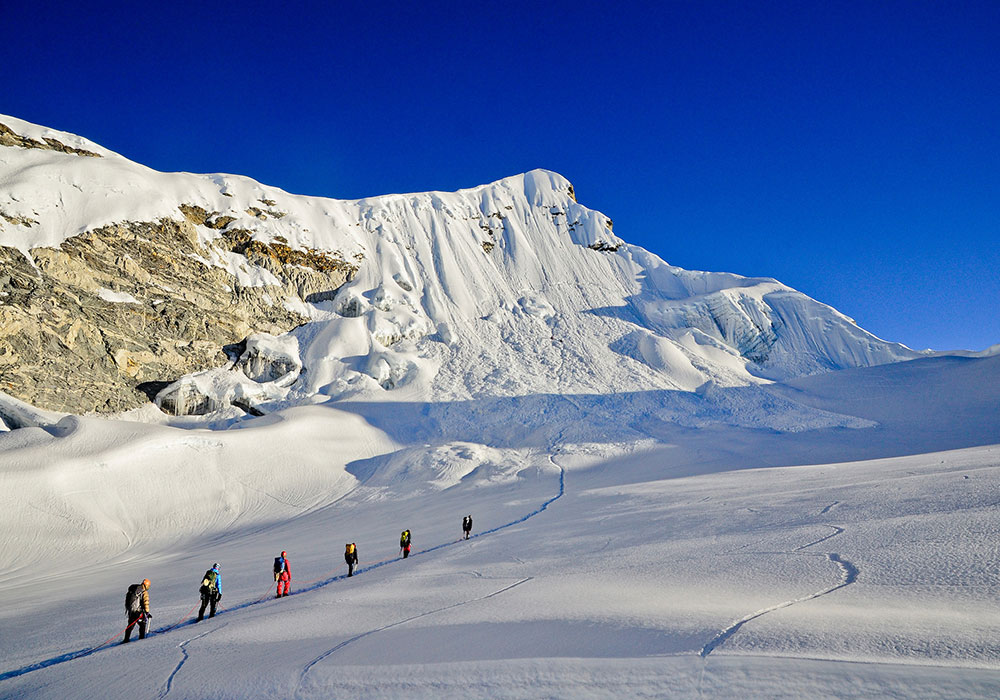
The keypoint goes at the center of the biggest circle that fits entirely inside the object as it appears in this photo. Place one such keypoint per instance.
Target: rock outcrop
(109, 318)
(9, 138)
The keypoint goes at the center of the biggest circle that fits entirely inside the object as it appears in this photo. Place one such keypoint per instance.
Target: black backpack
(133, 598)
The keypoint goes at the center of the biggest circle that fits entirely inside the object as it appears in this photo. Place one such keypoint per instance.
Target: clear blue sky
(849, 149)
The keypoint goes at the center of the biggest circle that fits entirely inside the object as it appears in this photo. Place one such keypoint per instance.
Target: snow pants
(284, 583)
(207, 599)
(136, 619)
(406, 551)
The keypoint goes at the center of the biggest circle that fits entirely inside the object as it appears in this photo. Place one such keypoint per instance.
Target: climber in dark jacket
(137, 609)
(211, 591)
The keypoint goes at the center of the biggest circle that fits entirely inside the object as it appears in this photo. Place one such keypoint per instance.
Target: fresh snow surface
(644, 560)
(671, 499)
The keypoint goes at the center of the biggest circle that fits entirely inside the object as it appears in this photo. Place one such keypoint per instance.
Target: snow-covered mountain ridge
(654, 515)
(507, 289)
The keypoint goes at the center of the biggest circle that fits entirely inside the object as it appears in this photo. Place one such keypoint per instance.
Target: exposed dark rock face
(98, 323)
(25, 221)
(604, 247)
(9, 138)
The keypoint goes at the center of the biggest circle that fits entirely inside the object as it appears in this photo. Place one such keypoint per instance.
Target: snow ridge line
(81, 653)
(355, 638)
(849, 574)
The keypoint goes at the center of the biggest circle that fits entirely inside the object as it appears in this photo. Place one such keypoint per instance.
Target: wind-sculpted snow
(506, 289)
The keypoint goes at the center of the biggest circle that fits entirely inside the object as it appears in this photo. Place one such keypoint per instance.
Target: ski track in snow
(329, 652)
(81, 653)
(849, 574)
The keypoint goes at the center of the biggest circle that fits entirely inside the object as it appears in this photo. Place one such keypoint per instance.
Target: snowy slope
(682, 565)
(671, 498)
(506, 289)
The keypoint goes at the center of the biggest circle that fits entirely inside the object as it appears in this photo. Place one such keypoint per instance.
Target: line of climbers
(137, 596)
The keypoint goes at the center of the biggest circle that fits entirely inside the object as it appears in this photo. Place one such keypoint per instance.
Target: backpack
(350, 549)
(404, 538)
(279, 564)
(133, 598)
(209, 580)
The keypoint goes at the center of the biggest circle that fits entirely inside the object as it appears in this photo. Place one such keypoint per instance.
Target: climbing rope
(326, 577)
(179, 621)
(111, 638)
